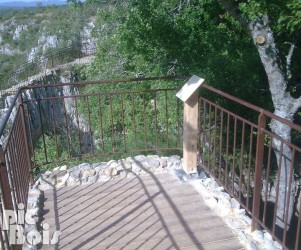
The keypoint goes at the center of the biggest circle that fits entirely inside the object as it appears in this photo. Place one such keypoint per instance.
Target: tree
(259, 18)
(214, 40)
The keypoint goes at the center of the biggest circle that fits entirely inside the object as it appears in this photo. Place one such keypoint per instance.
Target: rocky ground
(227, 208)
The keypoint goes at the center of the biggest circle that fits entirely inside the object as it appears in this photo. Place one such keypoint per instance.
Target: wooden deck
(149, 212)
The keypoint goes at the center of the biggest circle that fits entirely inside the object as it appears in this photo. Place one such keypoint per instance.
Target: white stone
(225, 196)
(270, 245)
(84, 166)
(87, 173)
(267, 236)
(277, 245)
(237, 211)
(242, 237)
(146, 165)
(154, 162)
(73, 181)
(61, 181)
(130, 175)
(174, 158)
(75, 174)
(212, 183)
(211, 202)
(110, 172)
(130, 160)
(45, 187)
(235, 204)
(136, 168)
(258, 235)
(102, 178)
(92, 179)
(98, 166)
(47, 173)
(47, 181)
(61, 184)
(251, 245)
(159, 170)
(235, 223)
(140, 158)
(155, 157)
(63, 168)
(113, 164)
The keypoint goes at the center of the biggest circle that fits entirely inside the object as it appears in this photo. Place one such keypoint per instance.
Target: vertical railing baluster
(144, 121)
(123, 125)
(112, 124)
(258, 170)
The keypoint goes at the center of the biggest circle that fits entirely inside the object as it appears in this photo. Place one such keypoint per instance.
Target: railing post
(51, 60)
(24, 131)
(258, 171)
(5, 187)
(189, 94)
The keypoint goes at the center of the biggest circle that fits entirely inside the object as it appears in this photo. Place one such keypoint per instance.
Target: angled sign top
(189, 88)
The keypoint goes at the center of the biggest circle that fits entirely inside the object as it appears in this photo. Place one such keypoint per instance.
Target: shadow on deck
(144, 212)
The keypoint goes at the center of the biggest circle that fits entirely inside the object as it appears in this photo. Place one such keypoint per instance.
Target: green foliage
(64, 22)
(46, 151)
(291, 21)
(119, 121)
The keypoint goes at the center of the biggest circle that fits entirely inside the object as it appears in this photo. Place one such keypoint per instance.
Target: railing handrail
(253, 107)
(80, 83)
(39, 59)
(5, 119)
(232, 144)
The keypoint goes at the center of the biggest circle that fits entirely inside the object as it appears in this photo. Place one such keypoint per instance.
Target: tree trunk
(285, 107)
(286, 196)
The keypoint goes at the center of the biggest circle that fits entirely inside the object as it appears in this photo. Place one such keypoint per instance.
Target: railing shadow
(145, 210)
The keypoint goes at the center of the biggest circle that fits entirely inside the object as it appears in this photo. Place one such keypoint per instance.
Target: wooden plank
(110, 186)
(164, 217)
(123, 217)
(159, 239)
(137, 187)
(146, 223)
(104, 202)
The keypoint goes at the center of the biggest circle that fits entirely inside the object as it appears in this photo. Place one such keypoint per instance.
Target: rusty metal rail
(255, 165)
(15, 167)
(39, 65)
(88, 125)
(39, 128)
(119, 117)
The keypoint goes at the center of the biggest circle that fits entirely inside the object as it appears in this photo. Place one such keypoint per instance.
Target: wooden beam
(189, 94)
(191, 113)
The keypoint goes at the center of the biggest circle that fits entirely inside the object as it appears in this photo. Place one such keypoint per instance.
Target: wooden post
(189, 94)
(190, 140)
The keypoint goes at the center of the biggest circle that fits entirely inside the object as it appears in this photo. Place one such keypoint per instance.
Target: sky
(11, 1)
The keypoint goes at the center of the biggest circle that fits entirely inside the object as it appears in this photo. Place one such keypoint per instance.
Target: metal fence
(40, 64)
(15, 169)
(124, 119)
(135, 116)
(253, 164)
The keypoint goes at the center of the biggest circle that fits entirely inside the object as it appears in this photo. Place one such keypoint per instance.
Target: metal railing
(120, 120)
(40, 64)
(125, 117)
(253, 164)
(15, 169)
